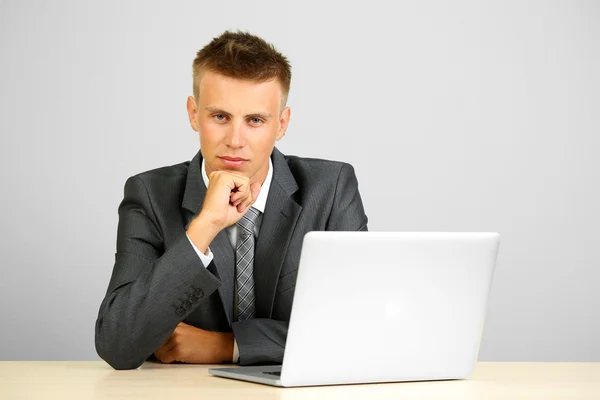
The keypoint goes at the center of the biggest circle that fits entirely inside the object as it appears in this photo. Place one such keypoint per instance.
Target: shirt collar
(261, 201)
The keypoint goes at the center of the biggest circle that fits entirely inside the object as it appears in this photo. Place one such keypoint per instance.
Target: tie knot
(249, 220)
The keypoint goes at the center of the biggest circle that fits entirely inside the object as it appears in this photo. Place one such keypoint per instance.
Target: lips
(237, 163)
(233, 159)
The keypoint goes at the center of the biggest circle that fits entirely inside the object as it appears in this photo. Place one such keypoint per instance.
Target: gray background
(458, 116)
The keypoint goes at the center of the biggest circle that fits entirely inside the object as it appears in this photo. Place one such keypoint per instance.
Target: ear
(192, 112)
(284, 120)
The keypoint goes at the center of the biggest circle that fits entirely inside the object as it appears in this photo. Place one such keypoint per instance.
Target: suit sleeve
(151, 290)
(262, 341)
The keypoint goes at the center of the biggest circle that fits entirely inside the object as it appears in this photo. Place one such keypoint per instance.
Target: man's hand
(227, 199)
(196, 346)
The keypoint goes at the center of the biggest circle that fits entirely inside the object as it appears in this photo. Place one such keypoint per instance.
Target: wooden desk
(96, 380)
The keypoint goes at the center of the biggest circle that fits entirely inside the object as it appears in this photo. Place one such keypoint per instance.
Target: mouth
(233, 162)
(233, 159)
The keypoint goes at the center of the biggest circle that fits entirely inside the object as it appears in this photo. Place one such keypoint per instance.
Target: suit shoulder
(314, 175)
(169, 170)
(315, 166)
(161, 175)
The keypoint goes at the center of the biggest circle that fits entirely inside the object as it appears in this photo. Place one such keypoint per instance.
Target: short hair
(242, 55)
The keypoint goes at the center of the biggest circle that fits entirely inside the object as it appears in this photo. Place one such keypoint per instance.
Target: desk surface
(96, 380)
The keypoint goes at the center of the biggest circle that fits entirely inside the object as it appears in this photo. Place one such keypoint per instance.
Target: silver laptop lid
(388, 306)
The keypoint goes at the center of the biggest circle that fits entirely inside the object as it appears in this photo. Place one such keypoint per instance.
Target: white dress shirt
(259, 205)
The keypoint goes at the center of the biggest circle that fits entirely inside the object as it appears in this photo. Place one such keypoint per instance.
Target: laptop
(383, 307)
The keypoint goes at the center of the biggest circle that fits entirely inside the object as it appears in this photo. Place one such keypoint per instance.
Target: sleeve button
(180, 311)
(186, 305)
(199, 293)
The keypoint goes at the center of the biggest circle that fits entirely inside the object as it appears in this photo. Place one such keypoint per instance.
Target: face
(239, 122)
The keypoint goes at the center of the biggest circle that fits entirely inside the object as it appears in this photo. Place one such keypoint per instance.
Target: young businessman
(207, 250)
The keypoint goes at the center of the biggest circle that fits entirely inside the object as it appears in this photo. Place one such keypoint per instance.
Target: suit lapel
(278, 223)
(224, 262)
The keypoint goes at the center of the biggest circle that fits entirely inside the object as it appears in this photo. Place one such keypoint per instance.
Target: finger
(237, 202)
(248, 202)
(169, 344)
(169, 356)
(161, 353)
(237, 198)
(169, 352)
(244, 206)
(255, 190)
(239, 182)
(166, 344)
(244, 198)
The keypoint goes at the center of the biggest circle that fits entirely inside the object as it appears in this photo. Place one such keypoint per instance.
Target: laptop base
(258, 374)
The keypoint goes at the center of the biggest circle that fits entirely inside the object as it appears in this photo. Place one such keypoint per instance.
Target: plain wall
(457, 116)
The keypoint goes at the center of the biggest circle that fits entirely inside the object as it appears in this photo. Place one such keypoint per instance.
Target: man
(207, 250)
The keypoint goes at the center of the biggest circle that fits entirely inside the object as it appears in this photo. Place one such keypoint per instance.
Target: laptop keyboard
(276, 373)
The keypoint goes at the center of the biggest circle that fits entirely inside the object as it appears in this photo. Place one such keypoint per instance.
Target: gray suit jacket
(158, 280)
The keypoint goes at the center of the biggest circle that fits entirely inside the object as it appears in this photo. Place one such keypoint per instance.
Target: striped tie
(244, 263)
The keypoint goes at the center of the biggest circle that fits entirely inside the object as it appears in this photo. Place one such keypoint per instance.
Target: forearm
(140, 312)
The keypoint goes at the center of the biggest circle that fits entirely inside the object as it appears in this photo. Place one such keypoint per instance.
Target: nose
(235, 136)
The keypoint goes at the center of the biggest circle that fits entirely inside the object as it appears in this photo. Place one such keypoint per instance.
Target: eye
(218, 116)
(256, 120)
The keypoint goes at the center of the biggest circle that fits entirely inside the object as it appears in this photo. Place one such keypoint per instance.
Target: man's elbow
(121, 364)
(116, 353)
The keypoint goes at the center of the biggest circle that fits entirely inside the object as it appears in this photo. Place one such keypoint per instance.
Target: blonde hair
(242, 55)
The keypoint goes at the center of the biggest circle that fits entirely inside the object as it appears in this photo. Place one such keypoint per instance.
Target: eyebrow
(256, 114)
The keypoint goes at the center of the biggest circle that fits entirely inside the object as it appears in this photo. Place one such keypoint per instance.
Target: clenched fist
(194, 345)
(227, 199)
